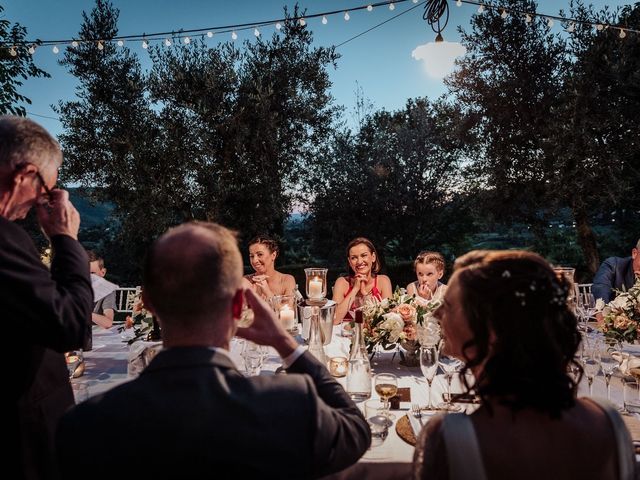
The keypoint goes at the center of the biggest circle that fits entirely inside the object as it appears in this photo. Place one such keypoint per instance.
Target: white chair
(125, 298)
(584, 288)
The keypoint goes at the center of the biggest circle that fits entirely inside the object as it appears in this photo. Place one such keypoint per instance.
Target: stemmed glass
(608, 364)
(591, 364)
(450, 365)
(429, 366)
(386, 385)
(587, 305)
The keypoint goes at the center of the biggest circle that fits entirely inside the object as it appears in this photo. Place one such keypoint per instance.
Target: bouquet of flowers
(399, 319)
(139, 324)
(621, 316)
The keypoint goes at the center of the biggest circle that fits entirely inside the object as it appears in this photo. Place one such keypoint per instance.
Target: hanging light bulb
(13, 52)
(550, 22)
(256, 32)
(571, 27)
(458, 3)
(32, 48)
(392, 6)
(187, 40)
(527, 18)
(324, 20)
(599, 27)
(167, 42)
(303, 22)
(74, 44)
(55, 49)
(622, 33)
(234, 35)
(481, 9)
(415, 1)
(439, 38)
(100, 45)
(210, 34)
(145, 44)
(369, 8)
(278, 26)
(121, 43)
(346, 16)
(504, 13)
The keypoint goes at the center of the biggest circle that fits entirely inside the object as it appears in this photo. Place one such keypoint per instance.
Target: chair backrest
(584, 288)
(125, 298)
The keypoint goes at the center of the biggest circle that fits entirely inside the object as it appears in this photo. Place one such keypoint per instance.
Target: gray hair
(24, 141)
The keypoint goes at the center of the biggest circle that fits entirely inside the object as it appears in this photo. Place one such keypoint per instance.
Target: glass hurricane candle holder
(285, 308)
(568, 273)
(316, 283)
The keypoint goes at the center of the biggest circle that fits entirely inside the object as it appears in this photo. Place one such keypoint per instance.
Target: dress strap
(624, 444)
(463, 450)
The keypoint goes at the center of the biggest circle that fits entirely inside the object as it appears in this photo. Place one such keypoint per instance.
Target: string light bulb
(458, 3)
(187, 40)
(74, 44)
(550, 22)
(527, 18)
(599, 27)
(210, 34)
(145, 44)
(324, 20)
(571, 28)
(392, 6)
(622, 33)
(303, 22)
(234, 35)
(481, 8)
(100, 45)
(369, 8)
(256, 32)
(346, 16)
(167, 42)
(504, 13)
(55, 49)
(32, 49)
(121, 43)
(278, 26)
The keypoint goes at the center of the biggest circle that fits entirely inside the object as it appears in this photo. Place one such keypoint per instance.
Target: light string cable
(434, 10)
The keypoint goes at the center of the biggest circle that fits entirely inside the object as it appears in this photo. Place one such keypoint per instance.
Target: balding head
(191, 273)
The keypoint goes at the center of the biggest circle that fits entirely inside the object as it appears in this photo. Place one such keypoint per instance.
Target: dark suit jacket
(614, 272)
(43, 314)
(191, 413)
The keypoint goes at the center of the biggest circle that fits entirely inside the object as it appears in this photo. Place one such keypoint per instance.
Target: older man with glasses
(44, 312)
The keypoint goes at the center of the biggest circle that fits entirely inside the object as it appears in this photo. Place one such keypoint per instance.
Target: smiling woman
(350, 292)
(266, 280)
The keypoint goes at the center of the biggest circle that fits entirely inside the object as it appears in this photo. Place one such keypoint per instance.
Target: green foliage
(14, 69)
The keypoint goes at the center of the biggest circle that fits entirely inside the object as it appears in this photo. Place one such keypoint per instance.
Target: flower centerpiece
(139, 324)
(621, 316)
(403, 320)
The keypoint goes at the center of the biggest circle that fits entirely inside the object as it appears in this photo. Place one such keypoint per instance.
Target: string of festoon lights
(436, 14)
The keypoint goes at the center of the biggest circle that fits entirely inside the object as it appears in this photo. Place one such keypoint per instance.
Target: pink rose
(410, 332)
(407, 312)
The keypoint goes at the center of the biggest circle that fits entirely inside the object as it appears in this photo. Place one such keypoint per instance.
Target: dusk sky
(380, 61)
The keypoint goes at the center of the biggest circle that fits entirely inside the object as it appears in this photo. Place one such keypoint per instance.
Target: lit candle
(315, 288)
(338, 366)
(287, 317)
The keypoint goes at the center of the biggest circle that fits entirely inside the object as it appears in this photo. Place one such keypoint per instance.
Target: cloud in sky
(438, 58)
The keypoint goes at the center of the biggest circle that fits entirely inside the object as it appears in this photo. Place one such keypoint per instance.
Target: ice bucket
(327, 313)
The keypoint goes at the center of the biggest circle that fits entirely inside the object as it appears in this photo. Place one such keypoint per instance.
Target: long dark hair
(523, 330)
(375, 268)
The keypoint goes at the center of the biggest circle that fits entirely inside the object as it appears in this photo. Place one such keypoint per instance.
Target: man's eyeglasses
(47, 190)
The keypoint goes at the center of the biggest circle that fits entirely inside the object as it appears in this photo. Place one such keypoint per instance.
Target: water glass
(631, 396)
(379, 430)
(80, 392)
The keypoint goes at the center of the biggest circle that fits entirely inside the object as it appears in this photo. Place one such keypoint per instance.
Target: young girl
(429, 268)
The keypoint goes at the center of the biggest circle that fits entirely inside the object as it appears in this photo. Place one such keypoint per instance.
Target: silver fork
(416, 412)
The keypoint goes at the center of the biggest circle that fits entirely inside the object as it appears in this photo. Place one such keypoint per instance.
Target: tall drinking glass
(591, 365)
(386, 385)
(429, 366)
(450, 365)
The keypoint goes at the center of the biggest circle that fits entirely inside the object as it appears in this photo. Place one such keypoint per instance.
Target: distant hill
(91, 215)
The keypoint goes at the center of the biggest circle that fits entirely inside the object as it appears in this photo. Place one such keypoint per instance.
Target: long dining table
(107, 365)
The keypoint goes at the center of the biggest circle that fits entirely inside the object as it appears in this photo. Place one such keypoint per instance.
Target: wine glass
(73, 359)
(450, 365)
(429, 366)
(591, 364)
(588, 304)
(386, 385)
(608, 364)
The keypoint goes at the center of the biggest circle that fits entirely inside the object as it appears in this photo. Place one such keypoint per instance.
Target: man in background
(104, 297)
(616, 273)
(192, 408)
(44, 312)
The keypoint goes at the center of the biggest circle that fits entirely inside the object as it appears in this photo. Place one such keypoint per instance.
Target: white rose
(599, 305)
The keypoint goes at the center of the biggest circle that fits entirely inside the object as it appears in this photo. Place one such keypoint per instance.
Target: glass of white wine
(429, 366)
(386, 385)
